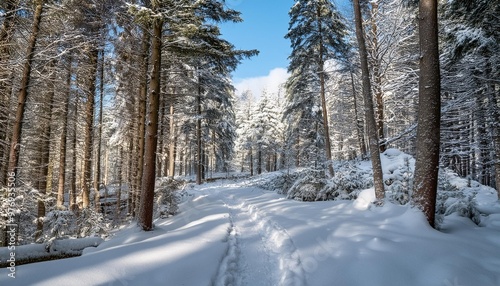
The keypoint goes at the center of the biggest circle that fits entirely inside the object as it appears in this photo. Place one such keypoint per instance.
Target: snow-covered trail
(233, 233)
(260, 251)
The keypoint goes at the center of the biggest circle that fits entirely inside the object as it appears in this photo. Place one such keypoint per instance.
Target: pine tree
(317, 33)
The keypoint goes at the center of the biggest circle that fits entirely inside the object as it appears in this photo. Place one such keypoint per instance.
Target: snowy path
(232, 233)
(261, 252)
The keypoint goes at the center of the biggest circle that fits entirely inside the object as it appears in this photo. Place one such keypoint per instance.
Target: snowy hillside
(234, 233)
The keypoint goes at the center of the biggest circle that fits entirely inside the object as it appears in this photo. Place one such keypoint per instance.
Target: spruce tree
(317, 33)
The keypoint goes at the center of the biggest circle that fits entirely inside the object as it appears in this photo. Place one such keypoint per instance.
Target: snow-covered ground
(234, 233)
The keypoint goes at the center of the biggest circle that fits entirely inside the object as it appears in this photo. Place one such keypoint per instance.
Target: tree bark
(377, 77)
(359, 123)
(89, 127)
(97, 172)
(23, 91)
(6, 32)
(429, 113)
(199, 172)
(172, 141)
(148, 178)
(46, 124)
(73, 189)
(373, 140)
(62, 145)
(326, 127)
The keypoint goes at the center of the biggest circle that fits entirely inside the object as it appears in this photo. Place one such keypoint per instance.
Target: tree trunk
(429, 108)
(46, 124)
(120, 183)
(373, 140)
(321, 71)
(250, 153)
(23, 91)
(377, 77)
(198, 135)
(359, 123)
(72, 195)
(151, 140)
(89, 127)
(259, 161)
(97, 177)
(171, 153)
(62, 145)
(6, 32)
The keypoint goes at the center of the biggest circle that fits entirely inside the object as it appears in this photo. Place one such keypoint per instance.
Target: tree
(23, 91)
(470, 61)
(429, 113)
(6, 35)
(369, 109)
(317, 33)
(145, 218)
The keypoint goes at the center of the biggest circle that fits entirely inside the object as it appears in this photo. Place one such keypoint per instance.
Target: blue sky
(264, 26)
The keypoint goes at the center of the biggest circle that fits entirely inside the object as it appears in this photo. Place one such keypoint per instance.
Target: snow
(231, 232)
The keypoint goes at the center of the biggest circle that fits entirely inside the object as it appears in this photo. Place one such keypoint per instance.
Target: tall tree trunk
(321, 71)
(199, 159)
(89, 127)
(120, 184)
(250, 153)
(142, 96)
(373, 140)
(97, 172)
(73, 189)
(161, 133)
(377, 77)
(23, 91)
(359, 123)
(429, 113)
(172, 141)
(46, 124)
(6, 32)
(62, 145)
(259, 161)
(148, 178)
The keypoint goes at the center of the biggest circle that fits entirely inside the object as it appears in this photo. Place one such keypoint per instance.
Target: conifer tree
(317, 33)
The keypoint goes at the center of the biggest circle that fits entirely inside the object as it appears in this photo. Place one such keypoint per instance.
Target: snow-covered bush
(307, 185)
(168, 194)
(348, 180)
(91, 223)
(398, 169)
(279, 182)
(457, 195)
(59, 224)
(23, 208)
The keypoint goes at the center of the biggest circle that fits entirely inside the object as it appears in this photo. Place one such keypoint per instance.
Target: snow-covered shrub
(24, 209)
(397, 168)
(457, 195)
(168, 194)
(91, 223)
(279, 182)
(348, 180)
(59, 224)
(307, 185)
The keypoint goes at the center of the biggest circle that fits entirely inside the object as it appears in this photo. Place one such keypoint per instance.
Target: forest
(109, 107)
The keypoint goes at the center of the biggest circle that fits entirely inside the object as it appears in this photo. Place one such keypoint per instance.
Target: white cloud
(257, 85)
